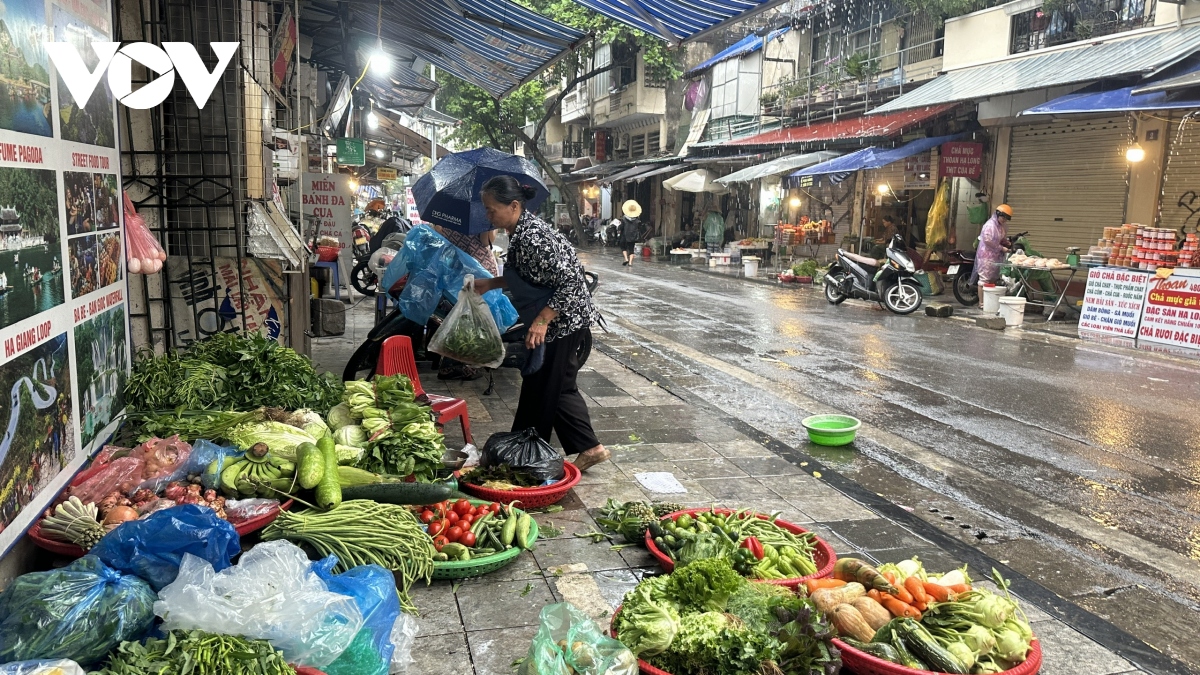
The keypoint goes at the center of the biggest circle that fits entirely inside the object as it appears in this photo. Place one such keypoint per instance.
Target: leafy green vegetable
(281, 438)
(402, 436)
(712, 642)
(197, 653)
(756, 604)
(190, 425)
(705, 585)
(705, 545)
(469, 334)
(229, 371)
(648, 625)
(351, 434)
(340, 416)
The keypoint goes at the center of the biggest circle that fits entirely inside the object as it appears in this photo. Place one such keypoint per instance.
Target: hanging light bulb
(1135, 153)
(352, 184)
(373, 120)
(379, 153)
(381, 63)
(795, 202)
(883, 188)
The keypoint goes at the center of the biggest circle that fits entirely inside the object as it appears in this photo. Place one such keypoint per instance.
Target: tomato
(452, 517)
(462, 507)
(466, 520)
(468, 539)
(436, 527)
(479, 510)
(454, 533)
(439, 542)
(427, 516)
(495, 507)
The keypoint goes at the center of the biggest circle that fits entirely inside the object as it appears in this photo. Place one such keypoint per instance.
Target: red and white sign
(327, 204)
(413, 215)
(1171, 313)
(961, 160)
(1113, 301)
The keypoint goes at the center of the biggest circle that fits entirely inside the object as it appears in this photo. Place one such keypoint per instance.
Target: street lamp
(379, 153)
(373, 120)
(1135, 153)
(882, 189)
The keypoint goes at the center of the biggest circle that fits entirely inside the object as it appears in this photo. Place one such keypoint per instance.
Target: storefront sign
(601, 150)
(1113, 301)
(410, 205)
(1171, 313)
(328, 208)
(918, 172)
(961, 160)
(282, 47)
(385, 173)
(351, 152)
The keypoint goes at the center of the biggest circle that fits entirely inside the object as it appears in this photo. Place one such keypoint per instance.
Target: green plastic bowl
(477, 567)
(831, 429)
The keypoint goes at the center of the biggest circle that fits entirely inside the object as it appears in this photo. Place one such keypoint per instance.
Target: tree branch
(566, 90)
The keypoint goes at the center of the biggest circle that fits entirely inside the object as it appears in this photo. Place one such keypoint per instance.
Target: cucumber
(399, 493)
(329, 493)
(310, 465)
(880, 650)
(921, 643)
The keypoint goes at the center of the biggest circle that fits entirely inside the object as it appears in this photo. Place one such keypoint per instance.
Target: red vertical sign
(601, 142)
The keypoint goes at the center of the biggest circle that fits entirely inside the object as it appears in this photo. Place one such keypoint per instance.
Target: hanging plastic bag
(937, 225)
(374, 591)
(154, 546)
(469, 333)
(79, 612)
(42, 667)
(143, 254)
(272, 594)
(568, 640)
(524, 451)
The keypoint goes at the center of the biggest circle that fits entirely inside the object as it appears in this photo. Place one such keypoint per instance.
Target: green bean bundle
(198, 653)
(363, 532)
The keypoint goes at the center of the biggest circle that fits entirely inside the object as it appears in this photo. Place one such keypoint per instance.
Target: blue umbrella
(448, 195)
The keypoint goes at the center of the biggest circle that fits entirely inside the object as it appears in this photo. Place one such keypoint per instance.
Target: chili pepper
(753, 545)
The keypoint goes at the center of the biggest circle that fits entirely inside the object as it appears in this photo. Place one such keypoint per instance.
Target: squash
(875, 615)
(853, 590)
(850, 623)
(827, 599)
(853, 569)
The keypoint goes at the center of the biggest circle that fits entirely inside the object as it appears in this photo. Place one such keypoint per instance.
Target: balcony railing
(574, 149)
(1065, 22)
(575, 104)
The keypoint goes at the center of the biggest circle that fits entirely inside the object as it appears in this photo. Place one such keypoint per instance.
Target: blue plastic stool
(336, 275)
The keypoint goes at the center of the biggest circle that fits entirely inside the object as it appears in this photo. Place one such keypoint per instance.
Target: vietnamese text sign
(961, 160)
(351, 152)
(385, 173)
(918, 172)
(410, 206)
(1171, 314)
(1113, 301)
(327, 208)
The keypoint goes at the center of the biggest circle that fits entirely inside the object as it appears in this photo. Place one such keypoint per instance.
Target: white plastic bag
(271, 594)
(42, 667)
(404, 634)
(469, 334)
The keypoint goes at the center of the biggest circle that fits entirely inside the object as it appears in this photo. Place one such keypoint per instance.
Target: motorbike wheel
(832, 292)
(363, 279)
(903, 297)
(964, 291)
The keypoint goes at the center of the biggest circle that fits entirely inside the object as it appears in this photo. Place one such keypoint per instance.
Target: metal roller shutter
(1067, 181)
(1180, 204)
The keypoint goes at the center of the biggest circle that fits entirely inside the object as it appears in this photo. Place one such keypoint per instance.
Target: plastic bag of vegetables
(42, 667)
(469, 334)
(79, 612)
(568, 641)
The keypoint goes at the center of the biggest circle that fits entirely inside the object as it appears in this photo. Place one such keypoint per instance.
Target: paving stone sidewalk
(484, 625)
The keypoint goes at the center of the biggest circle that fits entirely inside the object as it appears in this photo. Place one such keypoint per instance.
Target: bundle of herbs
(500, 477)
(402, 437)
(198, 653)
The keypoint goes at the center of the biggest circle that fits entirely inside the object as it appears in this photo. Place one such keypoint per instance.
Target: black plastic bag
(524, 451)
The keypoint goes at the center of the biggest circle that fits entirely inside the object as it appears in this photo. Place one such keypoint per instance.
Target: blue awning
(870, 158)
(676, 20)
(1118, 100)
(747, 45)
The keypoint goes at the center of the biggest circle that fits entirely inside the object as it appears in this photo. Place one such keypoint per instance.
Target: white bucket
(712, 261)
(750, 264)
(991, 298)
(1013, 311)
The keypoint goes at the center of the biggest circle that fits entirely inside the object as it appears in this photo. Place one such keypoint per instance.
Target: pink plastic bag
(164, 460)
(143, 253)
(120, 475)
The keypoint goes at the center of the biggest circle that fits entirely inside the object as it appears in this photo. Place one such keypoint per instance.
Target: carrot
(814, 585)
(921, 606)
(903, 595)
(898, 608)
(875, 595)
(959, 588)
(891, 577)
(937, 592)
(913, 585)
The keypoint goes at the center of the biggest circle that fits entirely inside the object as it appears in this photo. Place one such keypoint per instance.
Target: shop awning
(660, 170)
(494, 44)
(1144, 55)
(872, 158)
(1117, 100)
(777, 166)
(629, 173)
(595, 172)
(678, 20)
(859, 128)
(747, 45)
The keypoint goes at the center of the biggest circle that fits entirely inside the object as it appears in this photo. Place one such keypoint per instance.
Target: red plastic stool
(396, 358)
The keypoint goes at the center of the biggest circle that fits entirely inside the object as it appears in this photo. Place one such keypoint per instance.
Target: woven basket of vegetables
(478, 566)
(862, 663)
(754, 538)
(531, 497)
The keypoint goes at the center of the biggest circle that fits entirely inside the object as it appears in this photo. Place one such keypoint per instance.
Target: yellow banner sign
(384, 173)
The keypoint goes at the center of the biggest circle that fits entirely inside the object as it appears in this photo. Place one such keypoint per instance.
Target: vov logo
(166, 61)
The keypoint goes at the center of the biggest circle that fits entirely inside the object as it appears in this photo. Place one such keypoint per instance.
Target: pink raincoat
(990, 254)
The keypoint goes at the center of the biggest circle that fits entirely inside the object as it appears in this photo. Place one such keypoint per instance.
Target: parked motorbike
(857, 276)
(962, 267)
(364, 279)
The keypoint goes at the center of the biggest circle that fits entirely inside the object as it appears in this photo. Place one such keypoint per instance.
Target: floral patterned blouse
(542, 256)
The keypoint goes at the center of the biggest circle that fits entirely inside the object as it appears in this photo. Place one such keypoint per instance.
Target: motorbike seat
(865, 260)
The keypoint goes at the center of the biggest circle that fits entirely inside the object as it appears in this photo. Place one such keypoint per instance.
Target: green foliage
(860, 66)
(34, 192)
(482, 124)
(946, 9)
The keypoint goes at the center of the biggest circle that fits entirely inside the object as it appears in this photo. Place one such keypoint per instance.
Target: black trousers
(550, 398)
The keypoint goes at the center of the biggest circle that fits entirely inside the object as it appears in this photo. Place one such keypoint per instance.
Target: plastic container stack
(1155, 249)
(1190, 250)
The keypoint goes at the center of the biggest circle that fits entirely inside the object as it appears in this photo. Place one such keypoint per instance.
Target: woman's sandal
(587, 460)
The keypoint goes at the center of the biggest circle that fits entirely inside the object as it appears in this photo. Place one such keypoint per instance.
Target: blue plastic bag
(435, 269)
(153, 547)
(203, 454)
(80, 612)
(374, 591)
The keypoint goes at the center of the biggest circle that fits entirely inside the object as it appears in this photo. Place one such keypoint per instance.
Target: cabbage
(340, 416)
(280, 438)
(348, 454)
(351, 434)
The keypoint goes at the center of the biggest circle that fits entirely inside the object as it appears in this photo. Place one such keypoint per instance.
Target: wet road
(1090, 448)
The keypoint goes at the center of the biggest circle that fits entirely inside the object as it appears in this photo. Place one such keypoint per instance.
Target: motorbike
(362, 276)
(892, 284)
(962, 267)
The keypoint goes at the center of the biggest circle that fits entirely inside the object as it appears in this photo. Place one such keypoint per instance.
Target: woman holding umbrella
(547, 285)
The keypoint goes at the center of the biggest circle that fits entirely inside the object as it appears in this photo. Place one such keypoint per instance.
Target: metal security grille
(1179, 207)
(1067, 181)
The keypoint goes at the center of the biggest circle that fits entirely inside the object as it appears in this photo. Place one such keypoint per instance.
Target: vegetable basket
(243, 528)
(862, 663)
(823, 555)
(643, 667)
(528, 497)
(477, 567)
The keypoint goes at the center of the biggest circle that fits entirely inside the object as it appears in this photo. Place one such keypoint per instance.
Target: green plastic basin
(831, 429)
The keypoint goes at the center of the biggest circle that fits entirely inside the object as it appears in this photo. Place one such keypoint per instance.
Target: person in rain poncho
(993, 244)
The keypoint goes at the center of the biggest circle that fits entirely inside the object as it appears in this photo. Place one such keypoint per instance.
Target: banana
(229, 476)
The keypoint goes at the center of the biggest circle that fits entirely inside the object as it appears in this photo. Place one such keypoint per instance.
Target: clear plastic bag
(120, 475)
(469, 333)
(404, 634)
(524, 451)
(164, 460)
(42, 667)
(239, 510)
(200, 462)
(154, 546)
(273, 594)
(588, 650)
(79, 612)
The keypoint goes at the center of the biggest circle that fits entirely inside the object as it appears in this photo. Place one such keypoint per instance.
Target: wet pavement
(708, 378)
